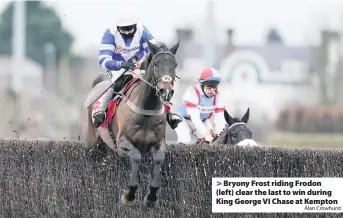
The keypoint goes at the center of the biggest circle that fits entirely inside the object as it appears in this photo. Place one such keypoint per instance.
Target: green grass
(306, 140)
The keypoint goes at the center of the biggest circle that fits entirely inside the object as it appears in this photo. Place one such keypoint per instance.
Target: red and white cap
(210, 76)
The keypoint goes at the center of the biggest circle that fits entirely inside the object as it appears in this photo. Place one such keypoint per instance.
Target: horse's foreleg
(158, 156)
(126, 148)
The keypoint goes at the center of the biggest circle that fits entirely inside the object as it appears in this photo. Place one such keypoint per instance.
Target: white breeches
(186, 129)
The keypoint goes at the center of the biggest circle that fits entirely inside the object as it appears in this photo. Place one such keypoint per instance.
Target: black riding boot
(100, 115)
(173, 120)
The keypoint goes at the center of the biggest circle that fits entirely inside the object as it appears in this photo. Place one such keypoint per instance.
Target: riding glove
(209, 137)
(127, 66)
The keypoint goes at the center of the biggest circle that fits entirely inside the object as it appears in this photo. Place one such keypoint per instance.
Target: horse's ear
(152, 47)
(175, 47)
(228, 118)
(245, 118)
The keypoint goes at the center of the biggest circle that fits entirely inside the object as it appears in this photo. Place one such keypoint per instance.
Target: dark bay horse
(139, 123)
(236, 132)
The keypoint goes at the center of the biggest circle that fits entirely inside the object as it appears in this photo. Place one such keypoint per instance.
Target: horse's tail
(100, 78)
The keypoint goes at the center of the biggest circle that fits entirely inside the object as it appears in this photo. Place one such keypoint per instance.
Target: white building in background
(250, 81)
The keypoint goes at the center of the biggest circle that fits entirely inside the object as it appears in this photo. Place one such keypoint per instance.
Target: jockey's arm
(218, 119)
(106, 52)
(191, 104)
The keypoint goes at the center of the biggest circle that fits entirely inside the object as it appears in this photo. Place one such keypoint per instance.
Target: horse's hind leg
(158, 156)
(126, 148)
(87, 133)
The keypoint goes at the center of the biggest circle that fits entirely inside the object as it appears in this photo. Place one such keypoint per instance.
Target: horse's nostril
(166, 91)
(165, 94)
(163, 91)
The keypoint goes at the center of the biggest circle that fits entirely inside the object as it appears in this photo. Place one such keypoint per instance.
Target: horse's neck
(222, 138)
(144, 96)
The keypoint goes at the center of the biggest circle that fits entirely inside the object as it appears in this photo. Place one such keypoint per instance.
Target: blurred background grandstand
(279, 58)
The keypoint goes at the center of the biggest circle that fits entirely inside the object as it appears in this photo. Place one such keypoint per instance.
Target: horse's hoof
(148, 202)
(123, 200)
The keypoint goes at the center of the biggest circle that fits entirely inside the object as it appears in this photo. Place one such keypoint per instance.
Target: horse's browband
(164, 52)
(236, 124)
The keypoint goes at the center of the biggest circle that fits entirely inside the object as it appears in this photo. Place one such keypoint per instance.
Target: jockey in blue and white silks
(202, 109)
(121, 48)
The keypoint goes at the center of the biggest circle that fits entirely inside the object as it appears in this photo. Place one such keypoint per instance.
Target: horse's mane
(162, 46)
(237, 120)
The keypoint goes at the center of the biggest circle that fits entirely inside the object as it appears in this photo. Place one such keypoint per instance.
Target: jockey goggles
(129, 29)
(211, 86)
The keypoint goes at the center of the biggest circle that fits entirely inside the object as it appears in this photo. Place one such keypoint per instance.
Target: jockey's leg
(183, 133)
(172, 119)
(100, 115)
(122, 81)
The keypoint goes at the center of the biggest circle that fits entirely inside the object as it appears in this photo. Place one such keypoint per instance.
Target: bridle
(228, 132)
(236, 124)
(230, 128)
(165, 78)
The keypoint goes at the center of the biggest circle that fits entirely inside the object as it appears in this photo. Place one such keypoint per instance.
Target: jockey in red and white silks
(202, 109)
